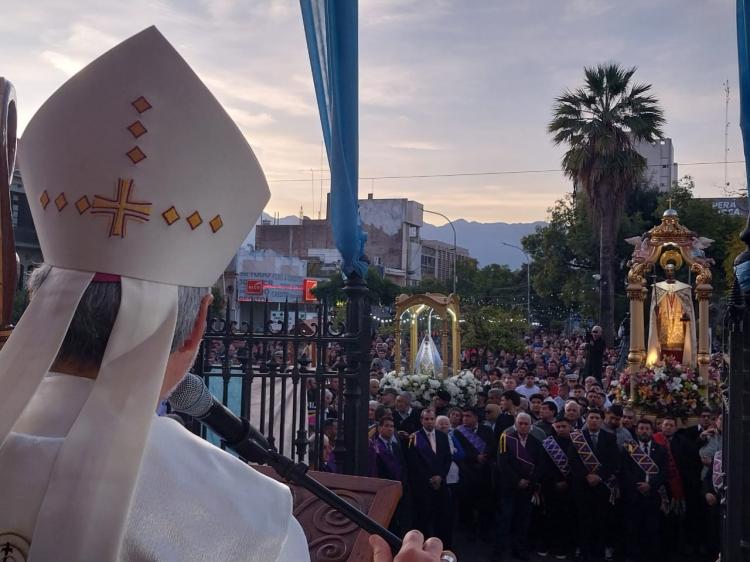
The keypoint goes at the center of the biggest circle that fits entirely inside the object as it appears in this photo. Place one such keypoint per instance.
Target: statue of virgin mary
(428, 359)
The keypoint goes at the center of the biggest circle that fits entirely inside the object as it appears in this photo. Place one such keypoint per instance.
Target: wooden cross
(8, 266)
(121, 208)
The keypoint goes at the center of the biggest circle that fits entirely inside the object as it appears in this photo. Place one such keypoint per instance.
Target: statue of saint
(672, 322)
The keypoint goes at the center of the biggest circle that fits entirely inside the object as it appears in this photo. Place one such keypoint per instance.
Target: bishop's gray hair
(88, 334)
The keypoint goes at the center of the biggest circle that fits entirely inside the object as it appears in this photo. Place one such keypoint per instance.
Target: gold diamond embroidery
(61, 202)
(141, 105)
(83, 205)
(194, 220)
(137, 129)
(216, 223)
(170, 216)
(136, 155)
(44, 199)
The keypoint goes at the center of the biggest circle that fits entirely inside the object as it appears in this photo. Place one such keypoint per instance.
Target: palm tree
(600, 122)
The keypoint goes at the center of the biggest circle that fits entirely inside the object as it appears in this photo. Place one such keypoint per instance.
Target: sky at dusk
(446, 87)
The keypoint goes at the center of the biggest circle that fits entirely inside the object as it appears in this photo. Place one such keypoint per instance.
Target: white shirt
(525, 391)
(193, 501)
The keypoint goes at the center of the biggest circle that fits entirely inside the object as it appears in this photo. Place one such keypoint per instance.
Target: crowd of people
(548, 461)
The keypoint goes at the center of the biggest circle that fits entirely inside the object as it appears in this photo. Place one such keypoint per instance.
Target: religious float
(669, 373)
(427, 372)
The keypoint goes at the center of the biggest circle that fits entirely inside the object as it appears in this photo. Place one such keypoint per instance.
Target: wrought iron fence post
(358, 369)
(735, 533)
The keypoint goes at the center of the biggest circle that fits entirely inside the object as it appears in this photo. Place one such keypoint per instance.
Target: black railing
(277, 374)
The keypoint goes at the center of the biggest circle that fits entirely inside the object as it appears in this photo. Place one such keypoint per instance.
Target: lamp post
(455, 248)
(528, 278)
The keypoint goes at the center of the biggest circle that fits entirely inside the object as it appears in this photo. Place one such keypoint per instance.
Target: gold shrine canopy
(672, 322)
(411, 307)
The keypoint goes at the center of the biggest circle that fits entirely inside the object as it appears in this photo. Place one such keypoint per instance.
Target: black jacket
(511, 470)
(472, 471)
(410, 424)
(632, 474)
(423, 465)
(606, 452)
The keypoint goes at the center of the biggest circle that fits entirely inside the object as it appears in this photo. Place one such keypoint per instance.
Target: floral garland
(463, 387)
(666, 389)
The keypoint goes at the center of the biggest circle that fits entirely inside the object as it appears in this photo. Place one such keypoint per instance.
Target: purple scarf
(510, 443)
(474, 439)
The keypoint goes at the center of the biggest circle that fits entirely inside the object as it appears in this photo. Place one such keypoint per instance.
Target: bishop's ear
(192, 342)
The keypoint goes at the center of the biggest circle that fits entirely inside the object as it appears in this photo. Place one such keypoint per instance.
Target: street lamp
(528, 278)
(455, 248)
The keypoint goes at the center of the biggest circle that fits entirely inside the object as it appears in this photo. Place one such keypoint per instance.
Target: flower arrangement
(463, 387)
(667, 388)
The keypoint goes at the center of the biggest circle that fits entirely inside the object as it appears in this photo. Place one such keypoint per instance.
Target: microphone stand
(296, 473)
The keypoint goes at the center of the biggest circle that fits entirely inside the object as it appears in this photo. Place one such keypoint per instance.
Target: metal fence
(277, 377)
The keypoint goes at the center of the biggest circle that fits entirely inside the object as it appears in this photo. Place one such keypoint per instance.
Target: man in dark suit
(429, 459)
(519, 464)
(644, 472)
(388, 461)
(556, 480)
(594, 462)
(405, 416)
(684, 482)
(595, 347)
(476, 474)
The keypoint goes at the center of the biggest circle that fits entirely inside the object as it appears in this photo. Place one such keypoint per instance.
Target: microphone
(193, 398)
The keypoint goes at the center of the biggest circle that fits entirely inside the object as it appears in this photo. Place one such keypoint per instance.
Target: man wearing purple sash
(476, 474)
(559, 504)
(520, 457)
(594, 460)
(389, 458)
(644, 472)
(429, 460)
(388, 461)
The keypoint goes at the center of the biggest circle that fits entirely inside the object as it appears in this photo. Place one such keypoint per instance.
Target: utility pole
(726, 135)
(455, 248)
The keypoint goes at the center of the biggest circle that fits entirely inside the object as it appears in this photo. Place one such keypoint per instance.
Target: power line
(495, 173)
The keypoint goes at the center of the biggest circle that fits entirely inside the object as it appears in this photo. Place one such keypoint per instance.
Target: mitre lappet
(134, 174)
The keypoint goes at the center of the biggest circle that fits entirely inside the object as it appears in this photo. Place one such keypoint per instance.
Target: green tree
(600, 122)
(493, 327)
(382, 291)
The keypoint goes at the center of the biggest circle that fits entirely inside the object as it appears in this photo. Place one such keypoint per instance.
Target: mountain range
(484, 240)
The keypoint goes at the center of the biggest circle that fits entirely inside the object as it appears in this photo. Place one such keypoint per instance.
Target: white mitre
(133, 169)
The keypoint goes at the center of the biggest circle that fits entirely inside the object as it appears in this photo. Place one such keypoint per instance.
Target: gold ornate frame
(448, 308)
(672, 239)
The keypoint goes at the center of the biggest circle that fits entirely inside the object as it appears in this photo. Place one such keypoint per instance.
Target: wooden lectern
(330, 536)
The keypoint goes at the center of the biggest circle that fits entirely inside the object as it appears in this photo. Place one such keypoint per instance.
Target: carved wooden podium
(332, 537)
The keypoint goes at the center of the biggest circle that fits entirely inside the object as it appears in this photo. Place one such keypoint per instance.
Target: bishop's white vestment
(192, 500)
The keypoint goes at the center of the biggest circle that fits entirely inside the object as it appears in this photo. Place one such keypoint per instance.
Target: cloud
(65, 64)
(417, 145)
(261, 94)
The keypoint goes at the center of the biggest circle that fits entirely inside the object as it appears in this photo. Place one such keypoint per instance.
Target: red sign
(254, 287)
(308, 285)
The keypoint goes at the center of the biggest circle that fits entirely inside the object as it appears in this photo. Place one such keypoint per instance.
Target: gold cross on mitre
(121, 208)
